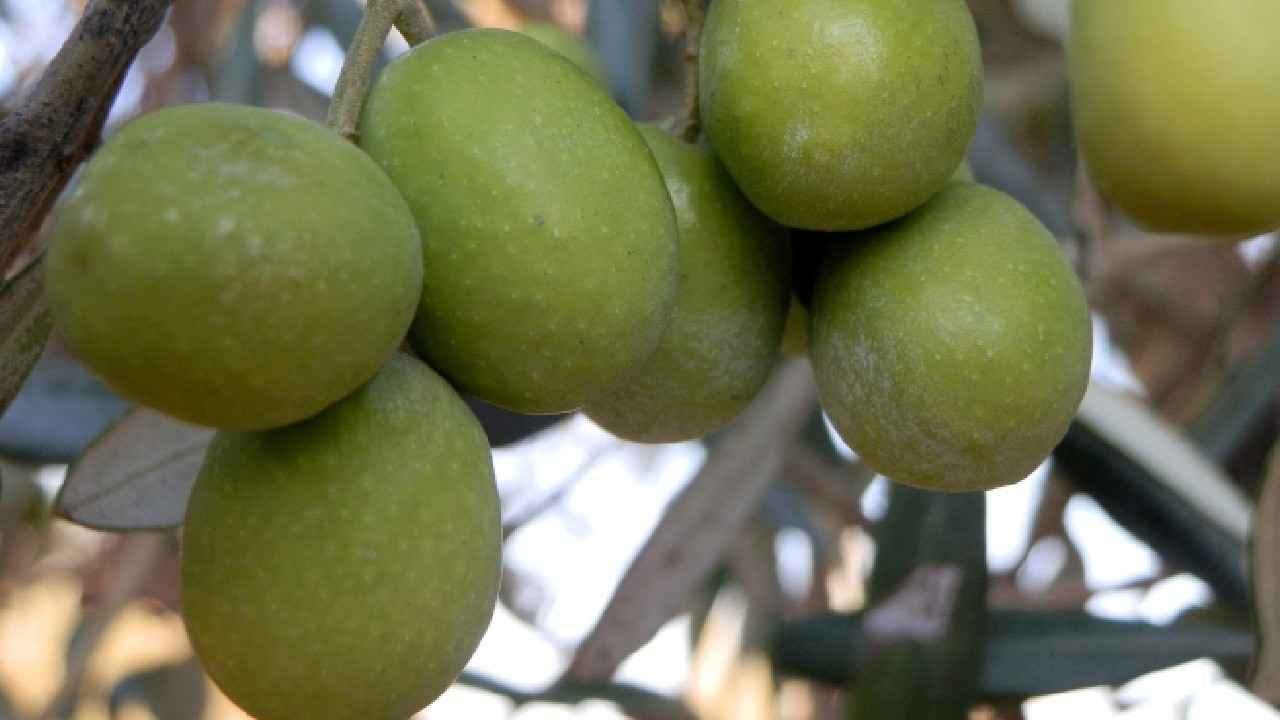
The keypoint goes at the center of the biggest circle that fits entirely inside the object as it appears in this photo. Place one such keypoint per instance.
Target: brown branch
(60, 120)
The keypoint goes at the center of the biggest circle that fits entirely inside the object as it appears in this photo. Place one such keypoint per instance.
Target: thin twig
(60, 120)
(837, 488)
(558, 494)
(689, 123)
(410, 18)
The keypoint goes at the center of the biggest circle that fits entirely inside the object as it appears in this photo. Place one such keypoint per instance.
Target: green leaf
(923, 629)
(25, 325)
(636, 702)
(239, 74)
(61, 409)
(137, 476)
(1035, 653)
(1160, 487)
(1027, 653)
(1168, 456)
(172, 692)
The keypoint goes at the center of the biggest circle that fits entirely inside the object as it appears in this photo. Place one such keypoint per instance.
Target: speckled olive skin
(723, 339)
(232, 266)
(840, 114)
(951, 348)
(1176, 107)
(551, 251)
(345, 568)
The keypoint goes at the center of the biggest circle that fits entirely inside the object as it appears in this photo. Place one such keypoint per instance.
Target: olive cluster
(251, 271)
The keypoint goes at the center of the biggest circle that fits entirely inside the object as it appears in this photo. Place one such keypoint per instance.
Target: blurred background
(1115, 582)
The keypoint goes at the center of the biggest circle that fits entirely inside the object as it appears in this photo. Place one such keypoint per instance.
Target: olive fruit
(1176, 107)
(724, 336)
(551, 252)
(951, 348)
(840, 115)
(345, 567)
(232, 266)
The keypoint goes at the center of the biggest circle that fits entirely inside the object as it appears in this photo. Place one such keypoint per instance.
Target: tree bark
(59, 122)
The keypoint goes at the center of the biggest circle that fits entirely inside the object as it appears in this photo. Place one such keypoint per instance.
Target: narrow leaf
(137, 476)
(1027, 653)
(699, 525)
(625, 35)
(1239, 407)
(60, 411)
(1171, 459)
(924, 625)
(1156, 484)
(173, 692)
(25, 325)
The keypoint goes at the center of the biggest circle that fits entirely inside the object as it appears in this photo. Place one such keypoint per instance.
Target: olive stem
(410, 17)
(688, 124)
(414, 22)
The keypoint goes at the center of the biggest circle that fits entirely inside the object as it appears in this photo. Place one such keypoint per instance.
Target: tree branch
(60, 120)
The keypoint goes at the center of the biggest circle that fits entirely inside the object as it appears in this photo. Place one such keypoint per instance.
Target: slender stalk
(688, 124)
(414, 22)
(410, 18)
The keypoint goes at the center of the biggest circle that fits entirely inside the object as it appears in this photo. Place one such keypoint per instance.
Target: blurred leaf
(6, 709)
(1159, 487)
(624, 35)
(1034, 653)
(137, 476)
(1172, 461)
(504, 427)
(446, 15)
(699, 525)
(1242, 404)
(923, 628)
(25, 325)
(61, 409)
(1027, 653)
(341, 17)
(635, 702)
(238, 77)
(997, 162)
(171, 692)
(138, 554)
(1265, 561)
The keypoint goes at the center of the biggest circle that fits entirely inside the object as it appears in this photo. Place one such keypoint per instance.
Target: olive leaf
(25, 325)
(1027, 652)
(1172, 461)
(924, 627)
(1161, 488)
(137, 475)
(699, 525)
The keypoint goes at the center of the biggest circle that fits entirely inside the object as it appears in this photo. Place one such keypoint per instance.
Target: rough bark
(59, 121)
